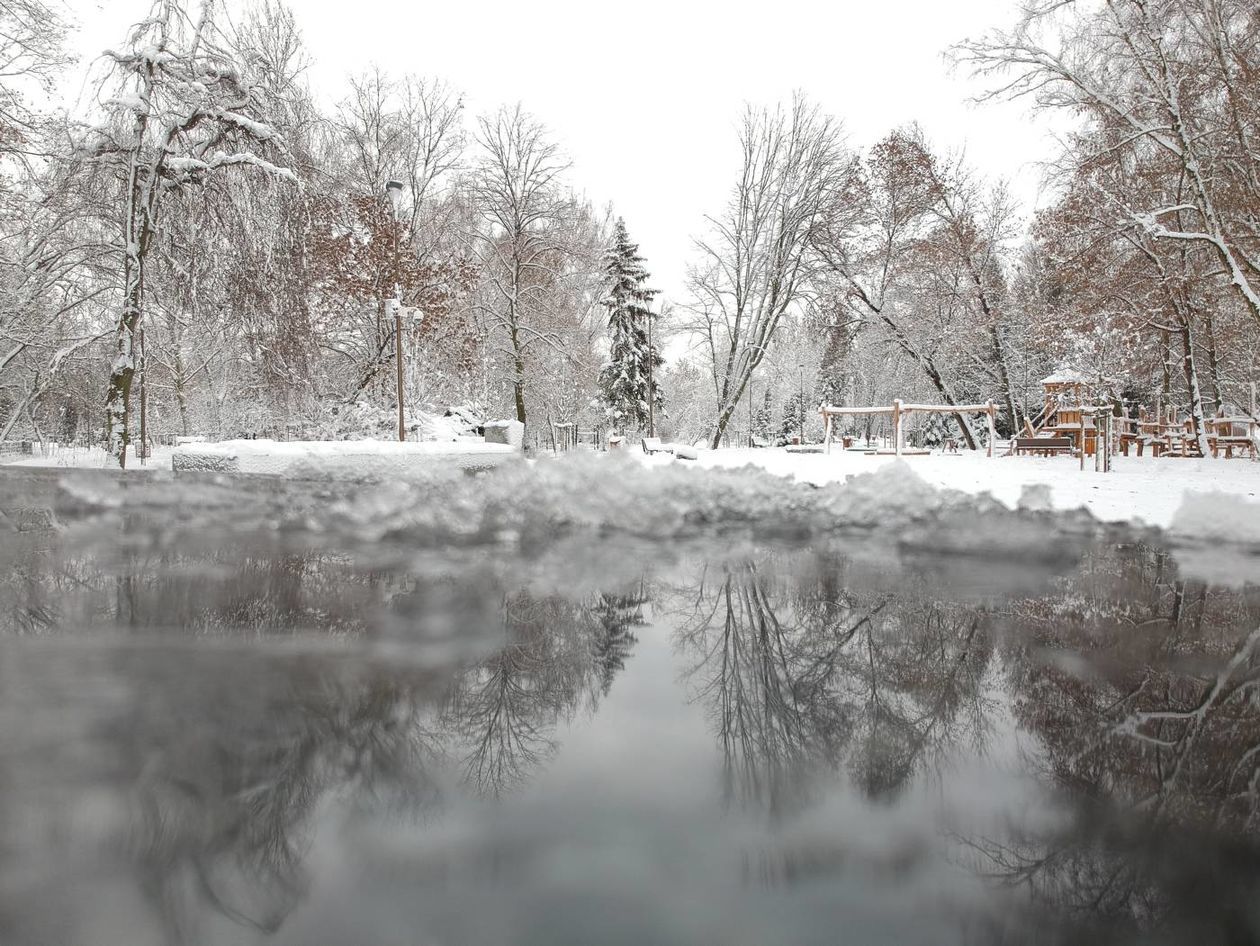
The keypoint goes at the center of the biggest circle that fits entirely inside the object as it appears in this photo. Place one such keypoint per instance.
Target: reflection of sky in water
(317, 732)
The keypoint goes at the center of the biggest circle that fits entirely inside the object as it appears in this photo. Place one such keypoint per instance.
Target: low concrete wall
(337, 457)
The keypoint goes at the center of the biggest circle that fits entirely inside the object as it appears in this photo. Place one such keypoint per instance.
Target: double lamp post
(393, 189)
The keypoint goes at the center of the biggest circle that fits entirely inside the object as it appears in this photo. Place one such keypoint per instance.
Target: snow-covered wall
(376, 458)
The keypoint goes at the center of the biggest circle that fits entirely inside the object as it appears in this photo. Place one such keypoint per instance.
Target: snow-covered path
(1138, 488)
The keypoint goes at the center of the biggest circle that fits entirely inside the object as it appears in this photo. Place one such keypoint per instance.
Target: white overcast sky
(644, 96)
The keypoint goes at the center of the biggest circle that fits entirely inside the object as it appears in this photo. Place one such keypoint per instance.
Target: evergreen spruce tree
(793, 417)
(763, 422)
(624, 380)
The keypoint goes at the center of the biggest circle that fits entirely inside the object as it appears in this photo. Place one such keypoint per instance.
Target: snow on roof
(1065, 376)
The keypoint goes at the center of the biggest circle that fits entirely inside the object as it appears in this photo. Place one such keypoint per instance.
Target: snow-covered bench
(653, 445)
(680, 451)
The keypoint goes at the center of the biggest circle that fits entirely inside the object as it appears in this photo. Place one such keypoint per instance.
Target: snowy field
(1138, 488)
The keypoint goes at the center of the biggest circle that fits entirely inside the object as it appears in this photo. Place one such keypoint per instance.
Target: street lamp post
(651, 379)
(143, 452)
(800, 371)
(392, 190)
(750, 411)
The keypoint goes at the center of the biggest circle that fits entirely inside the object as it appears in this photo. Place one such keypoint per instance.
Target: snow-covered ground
(1138, 488)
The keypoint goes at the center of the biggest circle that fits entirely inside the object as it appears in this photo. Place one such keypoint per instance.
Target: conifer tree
(626, 381)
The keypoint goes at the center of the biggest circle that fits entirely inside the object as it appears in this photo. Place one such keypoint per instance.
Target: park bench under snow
(681, 451)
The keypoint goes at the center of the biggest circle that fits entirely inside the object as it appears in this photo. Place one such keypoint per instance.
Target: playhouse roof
(1065, 376)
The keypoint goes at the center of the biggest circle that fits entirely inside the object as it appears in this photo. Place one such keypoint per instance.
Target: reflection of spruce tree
(617, 614)
(558, 655)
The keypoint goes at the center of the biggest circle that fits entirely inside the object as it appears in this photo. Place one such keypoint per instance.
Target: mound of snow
(1217, 517)
(614, 494)
(1216, 538)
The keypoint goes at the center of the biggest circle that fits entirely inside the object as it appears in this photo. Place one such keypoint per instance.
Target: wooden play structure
(898, 410)
(1069, 422)
(1065, 417)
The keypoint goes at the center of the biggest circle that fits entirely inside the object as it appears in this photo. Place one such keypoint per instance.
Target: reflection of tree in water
(226, 755)
(557, 657)
(799, 668)
(1143, 692)
(229, 781)
(614, 640)
(229, 763)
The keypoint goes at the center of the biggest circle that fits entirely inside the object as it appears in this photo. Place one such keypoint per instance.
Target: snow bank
(1216, 537)
(1144, 489)
(1217, 517)
(612, 494)
(370, 458)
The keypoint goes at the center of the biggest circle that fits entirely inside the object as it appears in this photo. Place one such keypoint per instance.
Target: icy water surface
(557, 707)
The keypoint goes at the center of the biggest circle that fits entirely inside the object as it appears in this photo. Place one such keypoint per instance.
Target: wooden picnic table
(1228, 433)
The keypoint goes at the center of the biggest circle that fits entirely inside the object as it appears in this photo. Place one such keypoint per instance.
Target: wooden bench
(1043, 446)
(679, 451)
(1245, 446)
(1141, 442)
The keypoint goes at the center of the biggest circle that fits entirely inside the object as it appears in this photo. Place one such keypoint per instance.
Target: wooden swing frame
(898, 410)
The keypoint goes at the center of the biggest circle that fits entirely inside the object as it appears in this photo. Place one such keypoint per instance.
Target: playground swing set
(900, 412)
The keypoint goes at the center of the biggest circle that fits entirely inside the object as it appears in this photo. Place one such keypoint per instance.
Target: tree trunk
(727, 411)
(518, 382)
(934, 375)
(939, 383)
(1192, 386)
(181, 390)
(118, 395)
(1165, 365)
(1214, 363)
(1004, 374)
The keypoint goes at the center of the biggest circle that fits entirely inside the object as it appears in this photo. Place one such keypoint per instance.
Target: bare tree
(31, 53)
(184, 108)
(523, 243)
(898, 272)
(758, 263)
(1179, 80)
